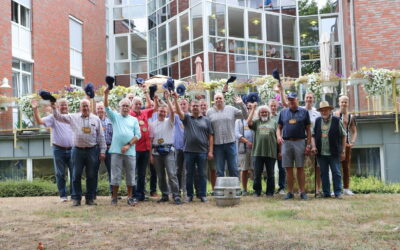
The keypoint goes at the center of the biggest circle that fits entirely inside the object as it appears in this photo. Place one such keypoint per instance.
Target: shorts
(118, 162)
(245, 161)
(293, 153)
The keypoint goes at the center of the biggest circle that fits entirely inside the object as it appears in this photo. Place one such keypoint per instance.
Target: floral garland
(379, 80)
(24, 104)
(266, 92)
(73, 97)
(312, 82)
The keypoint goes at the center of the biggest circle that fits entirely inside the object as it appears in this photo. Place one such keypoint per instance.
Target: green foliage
(373, 185)
(308, 7)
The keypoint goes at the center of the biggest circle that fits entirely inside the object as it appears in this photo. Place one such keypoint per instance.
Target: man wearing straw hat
(329, 142)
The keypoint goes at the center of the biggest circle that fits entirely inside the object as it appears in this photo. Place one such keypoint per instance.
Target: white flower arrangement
(74, 97)
(266, 92)
(379, 80)
(312, 82)
(119, 92)
(24, 104)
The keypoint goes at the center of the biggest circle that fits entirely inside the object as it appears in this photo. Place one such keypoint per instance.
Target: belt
(85, 148)
(293, 139)
(163, 145)
(65, 148)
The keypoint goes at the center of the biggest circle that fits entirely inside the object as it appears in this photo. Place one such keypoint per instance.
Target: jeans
(88, 159)
(191, 160)
(259, 162)
(142, 159)
(153, 179)
(180, 170)
(226, 152)
(326, 162)
(62, 159)
(166, 165)
(282, 175)
(107, 163)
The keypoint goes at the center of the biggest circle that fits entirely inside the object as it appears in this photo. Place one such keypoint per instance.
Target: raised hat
(275, 74)
(231, 79)
(152, 91)
(46, 95)
(110, 82)
(169, 84)
(292, 95)
(252, 97)
(181, 89)
(89, 90)
(139, 81)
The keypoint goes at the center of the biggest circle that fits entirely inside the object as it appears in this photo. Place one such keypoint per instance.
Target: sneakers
(63, 199)
(245, 193)
(177, 200)
(203, 199)
(281, 191)
(303, 196)
(90, 203)
(114, 201)
(76, 203)
(189, 199)
(339, 196)
(347, 192)
(288, 196)
(163, 199)
(132, 201)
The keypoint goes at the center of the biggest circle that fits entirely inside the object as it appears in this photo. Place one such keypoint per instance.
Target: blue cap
(244, 99)
(152, 89)
(170, 84)
(139, 81)
(110, 82)
(181, 89)
(46, 95)
(252, 97)
(89, 90)
(292, 95)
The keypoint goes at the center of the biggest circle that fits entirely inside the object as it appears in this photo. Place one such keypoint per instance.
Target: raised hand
(34, 103)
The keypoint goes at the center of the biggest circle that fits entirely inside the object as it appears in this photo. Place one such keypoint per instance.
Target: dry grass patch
(361, 222)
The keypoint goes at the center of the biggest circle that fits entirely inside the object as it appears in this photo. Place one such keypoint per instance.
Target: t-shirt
(196, 133)
(124, 129)
(162, 132)
(294, 123)
(325, 127)
(243, 130)
(143, 117)
(265, 143)
(314, 114)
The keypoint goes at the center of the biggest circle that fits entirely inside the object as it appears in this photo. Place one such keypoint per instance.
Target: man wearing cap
(143, 146)
(349, 122)
(62, 144)
(294, 126)
(309, 161)
(329, 142)
(223, 119)
(87, 134)
(163, 151)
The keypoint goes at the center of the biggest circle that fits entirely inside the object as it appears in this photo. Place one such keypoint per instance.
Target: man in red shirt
(143, 146)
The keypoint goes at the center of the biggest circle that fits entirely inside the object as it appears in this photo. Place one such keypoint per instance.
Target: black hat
(275, 74)
(152, 90)
(231, 79)
(89, 90)
(46, 95)
(252, 97)
(170, 84)
(139, 81)
(181, 89)
(110, 82)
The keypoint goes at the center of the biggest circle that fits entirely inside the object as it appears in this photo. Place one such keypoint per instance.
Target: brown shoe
(153, 195)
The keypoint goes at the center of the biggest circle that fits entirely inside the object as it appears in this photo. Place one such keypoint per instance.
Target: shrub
(367, 185)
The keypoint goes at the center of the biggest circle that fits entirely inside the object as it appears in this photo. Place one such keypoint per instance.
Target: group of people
(181, 142)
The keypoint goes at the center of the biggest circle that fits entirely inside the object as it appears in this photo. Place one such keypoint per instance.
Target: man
(273, 106)
(62, 145)
(87, 134)
(126, 134)
(198, 146)
(350, 125)
(310, 159)
(264, 148)
(108, 133)
(143, 146)
(293, 127)
(244, 136)
(223, 119)
(329, 142)
(162, 154)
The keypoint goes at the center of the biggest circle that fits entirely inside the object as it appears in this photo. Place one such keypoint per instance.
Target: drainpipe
(353, 36)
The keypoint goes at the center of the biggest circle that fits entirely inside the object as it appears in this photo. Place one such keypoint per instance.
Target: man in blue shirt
(294, 126)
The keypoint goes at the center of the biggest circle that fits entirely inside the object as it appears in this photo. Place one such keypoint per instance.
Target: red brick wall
(50, 41)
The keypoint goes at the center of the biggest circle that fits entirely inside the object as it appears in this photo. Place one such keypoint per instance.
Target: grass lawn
(367, 221)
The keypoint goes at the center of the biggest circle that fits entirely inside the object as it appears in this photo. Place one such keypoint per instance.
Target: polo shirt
(294, 123)
(197, 131)
(143, 117)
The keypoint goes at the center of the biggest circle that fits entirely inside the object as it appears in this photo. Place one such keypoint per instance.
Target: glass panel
(366, 162)
(329, 25)
(138, 47)
(152, 21)
(308, 7)
(310, 53)
(162, 38)
(163, 59)
(273, 28)
(162, 15)
(14, 12)
(16, 86)
(236, 2)
(153, 64)
(185, 68)
(26, 84)
(291, 68)
(255, 24)
(198, 46)
(273, 51)
(153, 42)
(172, 9)
(255, 49)
(253, 63)
(337, 52)
(121, 68)
(172, 33)
(255, 4)
(235, 21)
(185, 28)
(272, 5)
(309, 31)
(288, 7)
(25, 17)
(308, 67)
(130, 12)
(151, 4)
(273, 64)
(289, 30)
(26, 67)
(218, 62)
(217, 44)
(328, 6)
(237, 64)
(174, 69)
(121, 48)
(197, 22)
(75, 35)
(183, 5)
(13, 170)
(174, 55)
(216, 20)
(290, 53)
(185, 51)
(122, 26)
(237, 47)
(138, 67)
(139, 25)
(16, 64)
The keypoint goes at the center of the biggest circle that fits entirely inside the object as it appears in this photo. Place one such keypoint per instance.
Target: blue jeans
(142, 159)
(88, 159)
(191, 160)
(226, 152)
(326, 162)
(62, 159)
(282, 175)
(259, 163)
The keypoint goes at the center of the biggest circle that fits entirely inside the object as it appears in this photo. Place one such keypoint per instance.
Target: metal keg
(227, 191)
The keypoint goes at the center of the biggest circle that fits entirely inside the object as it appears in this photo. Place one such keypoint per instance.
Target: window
(236, 22)
(273, 28)
(75, 49)
(254, 26)
(21, 29)
(21, 77)
(76, 82)
(21, 15)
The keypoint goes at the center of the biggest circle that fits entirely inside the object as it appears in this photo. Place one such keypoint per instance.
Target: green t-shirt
(325, 126)
(265, 143)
